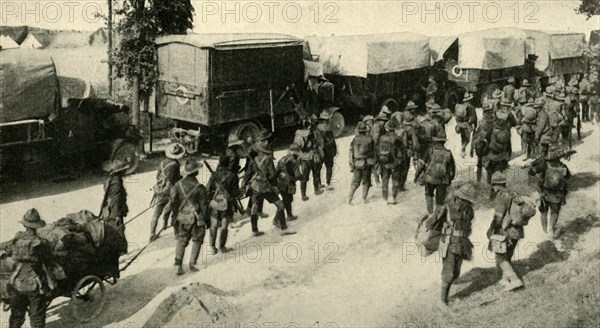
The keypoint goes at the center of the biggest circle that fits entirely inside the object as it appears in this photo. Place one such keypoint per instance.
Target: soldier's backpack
(386, 149)
(424, 131)
(460, 111)
(529, 114)
(162, 185)
(363, 149)
(435, 172)
(554, 117)
(500, 140)
(187, 212)
(522, 208)
(481, 138)
(219, 200)
(555, 177)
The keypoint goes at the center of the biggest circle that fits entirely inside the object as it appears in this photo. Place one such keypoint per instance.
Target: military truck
(481, 62)
(373, 71)
(219, 85)
(41, 135)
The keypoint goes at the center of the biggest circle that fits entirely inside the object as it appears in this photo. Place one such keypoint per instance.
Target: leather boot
(196, 246)
(479, 175)
(514, 281)
(544, 218)
(223, 239)
(552, 225)
(179, 252)
(365, 193)
(384, 192)
(303, 191)
(254, 222)
(444, 293)
(429, 203)
(351, 194)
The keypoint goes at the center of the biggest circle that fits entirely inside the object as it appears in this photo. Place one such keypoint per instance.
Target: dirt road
(352, 266)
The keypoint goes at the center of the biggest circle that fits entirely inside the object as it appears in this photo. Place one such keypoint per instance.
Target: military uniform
(166, 176)
(310, 150)
(221, 206)
(455, 245)
(329, 147)
(527, 127)
(508, 92)
(543, 131)
(407, 134)
(235, 153)
(439, 173)
(584, 96)
(288, 172)
(263, 182)
(467, 124)
(114, 208)
(569, 113)
(481, 137)
(500, 149)
(362, 159)
(189, 205)
(553, 176)
(390, 156)
(28, 284)
(501, 226)
(377, 131)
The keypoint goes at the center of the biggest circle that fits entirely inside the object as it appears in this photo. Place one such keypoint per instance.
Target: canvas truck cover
(29, 85)
(554, 45)
(359, 55)
(438, 46)
(491, 49)
(226, 41)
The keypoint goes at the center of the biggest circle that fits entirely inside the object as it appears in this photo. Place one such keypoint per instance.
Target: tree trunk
(110, 67)
(135, 119)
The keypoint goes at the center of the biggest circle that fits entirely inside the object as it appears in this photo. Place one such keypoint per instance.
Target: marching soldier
(569, 113)
(406, 132)
(455, 245)
(526, 116)
(263, 141)
(481, 137)
(390, 157)
(166, 176)
(594, 107)
(377, 131)
(504, 232)
(523, 94)
(235, 151)
(305, 138)
(362, 159)
(263, 182)
(584, 96)
(508, 92)
(29, 284)
(329, 147)
(431, 89)
(189, 200)
(426, 128)
(505, 113)
(319, 151)
(574, 110)
(369, 121)
(221, 205)
(114, 206)
(552, 182)
(543, 130)
(500, 149)
(466, 121)
(439, 173)
(288, 172)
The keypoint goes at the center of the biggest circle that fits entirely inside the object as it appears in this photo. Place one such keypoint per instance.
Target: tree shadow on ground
(582, 180)
(546, 253)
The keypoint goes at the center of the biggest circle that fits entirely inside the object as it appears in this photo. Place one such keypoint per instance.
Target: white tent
(30, 42)
(6, 42)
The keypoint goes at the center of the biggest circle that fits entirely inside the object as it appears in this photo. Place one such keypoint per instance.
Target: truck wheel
(390, 103)
(451, 99)
(487, 91)
(246, 130)
(337, 124)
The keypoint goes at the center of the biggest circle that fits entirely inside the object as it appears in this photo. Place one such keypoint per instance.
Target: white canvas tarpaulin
(492, 49)
(552, 45)
(359, 55)
(438, 46)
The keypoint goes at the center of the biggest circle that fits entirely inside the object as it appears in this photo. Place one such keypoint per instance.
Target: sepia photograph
(299, 164)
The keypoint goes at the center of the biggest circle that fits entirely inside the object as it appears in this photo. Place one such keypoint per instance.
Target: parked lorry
(39, 135)
(481, 62)
(218, 85)
(373, 71)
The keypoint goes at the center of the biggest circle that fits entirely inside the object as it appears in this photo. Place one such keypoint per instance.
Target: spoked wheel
(127, 153)
(246, 130)
(87, 298)
(337, 124)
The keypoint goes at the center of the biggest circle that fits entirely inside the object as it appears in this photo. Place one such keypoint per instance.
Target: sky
(300, 18)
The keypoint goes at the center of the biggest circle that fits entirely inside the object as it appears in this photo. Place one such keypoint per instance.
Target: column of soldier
(383, 148)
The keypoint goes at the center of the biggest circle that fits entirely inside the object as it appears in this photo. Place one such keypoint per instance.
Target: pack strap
(187, 196)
